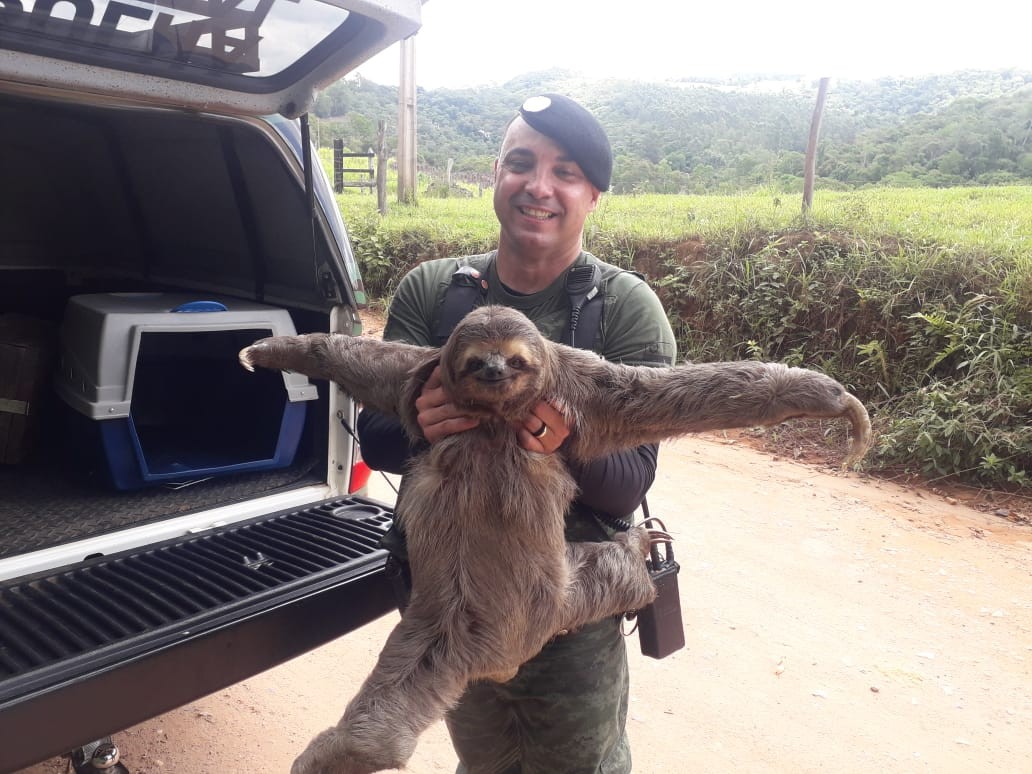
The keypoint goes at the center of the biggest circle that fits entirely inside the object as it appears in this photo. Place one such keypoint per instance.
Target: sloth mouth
(492, 381)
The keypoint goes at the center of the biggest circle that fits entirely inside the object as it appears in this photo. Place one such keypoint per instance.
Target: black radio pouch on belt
(660, 629)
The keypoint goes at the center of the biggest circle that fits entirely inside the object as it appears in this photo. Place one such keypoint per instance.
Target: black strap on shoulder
(464, 294)
(584, 287)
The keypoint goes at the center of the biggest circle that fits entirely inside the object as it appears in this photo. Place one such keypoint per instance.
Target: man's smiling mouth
(533, 212)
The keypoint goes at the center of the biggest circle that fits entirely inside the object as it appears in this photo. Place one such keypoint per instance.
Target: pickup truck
(170, 524)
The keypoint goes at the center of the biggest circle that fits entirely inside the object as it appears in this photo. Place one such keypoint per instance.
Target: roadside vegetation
(919, 300)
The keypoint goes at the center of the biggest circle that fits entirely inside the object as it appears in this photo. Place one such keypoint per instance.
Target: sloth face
(495, 361)
(494, 373)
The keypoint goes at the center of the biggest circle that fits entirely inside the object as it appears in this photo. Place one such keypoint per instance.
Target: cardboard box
(28, 349)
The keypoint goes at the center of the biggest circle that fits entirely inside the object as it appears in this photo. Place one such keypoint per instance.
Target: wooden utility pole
(407, 123)
(810, 165)
(338, 165)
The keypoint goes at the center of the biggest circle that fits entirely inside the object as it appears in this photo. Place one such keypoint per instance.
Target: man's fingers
(432, 399)
(434, 381)
(545, 421)
(549, 414)
(438, 417)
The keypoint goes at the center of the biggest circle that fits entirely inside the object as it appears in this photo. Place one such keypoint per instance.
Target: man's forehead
(523, 139)
(529, 153)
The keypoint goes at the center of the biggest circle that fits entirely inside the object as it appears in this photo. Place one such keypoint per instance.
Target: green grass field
(919, 300)
(994, 221)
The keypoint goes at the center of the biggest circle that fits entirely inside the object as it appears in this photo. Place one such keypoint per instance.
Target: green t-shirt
(634, 327)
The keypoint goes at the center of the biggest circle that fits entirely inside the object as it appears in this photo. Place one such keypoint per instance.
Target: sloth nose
(493, 370)
(494, 367)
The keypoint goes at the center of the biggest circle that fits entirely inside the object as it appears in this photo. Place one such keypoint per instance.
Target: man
(566, 709)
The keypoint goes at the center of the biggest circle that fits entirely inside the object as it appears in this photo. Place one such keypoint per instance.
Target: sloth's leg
(608, 578)
(412, 685)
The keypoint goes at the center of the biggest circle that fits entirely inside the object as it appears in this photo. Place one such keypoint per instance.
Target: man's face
(541, 196)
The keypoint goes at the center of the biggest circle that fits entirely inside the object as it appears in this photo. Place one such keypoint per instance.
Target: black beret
(576, 131)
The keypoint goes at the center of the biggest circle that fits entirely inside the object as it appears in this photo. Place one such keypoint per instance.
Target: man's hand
(438, 417)
(544, 430)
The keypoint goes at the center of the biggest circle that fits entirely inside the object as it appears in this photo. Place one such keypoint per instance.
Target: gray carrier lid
(101, 334)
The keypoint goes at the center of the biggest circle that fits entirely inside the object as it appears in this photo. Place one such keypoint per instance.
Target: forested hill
(964, 128)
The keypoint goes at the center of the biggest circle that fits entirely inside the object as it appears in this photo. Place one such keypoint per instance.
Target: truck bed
(65, 507)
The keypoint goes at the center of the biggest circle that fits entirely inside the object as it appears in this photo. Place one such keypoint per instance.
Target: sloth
(493, 579)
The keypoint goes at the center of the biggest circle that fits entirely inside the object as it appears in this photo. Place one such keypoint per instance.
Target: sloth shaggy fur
(493, 579)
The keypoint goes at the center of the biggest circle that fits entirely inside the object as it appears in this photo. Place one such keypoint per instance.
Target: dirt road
(834, 624)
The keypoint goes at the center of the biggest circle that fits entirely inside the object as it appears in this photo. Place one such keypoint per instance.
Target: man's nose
(540, 183)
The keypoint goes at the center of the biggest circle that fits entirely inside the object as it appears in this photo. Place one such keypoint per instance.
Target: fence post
(338, 165)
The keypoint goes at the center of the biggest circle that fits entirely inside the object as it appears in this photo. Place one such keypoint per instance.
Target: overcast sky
(477, 42)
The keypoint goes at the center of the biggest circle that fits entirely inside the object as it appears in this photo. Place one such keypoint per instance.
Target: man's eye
(565, 173)
(514, 165)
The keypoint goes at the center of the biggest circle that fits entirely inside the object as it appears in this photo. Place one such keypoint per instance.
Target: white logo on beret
(537, 104)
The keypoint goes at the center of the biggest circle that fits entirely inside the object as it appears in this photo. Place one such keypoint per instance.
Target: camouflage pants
(563, 713)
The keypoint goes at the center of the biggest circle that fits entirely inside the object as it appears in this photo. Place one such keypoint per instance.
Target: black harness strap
(464, 294)
(584, 287)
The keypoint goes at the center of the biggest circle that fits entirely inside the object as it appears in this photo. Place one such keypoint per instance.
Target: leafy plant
(972, 417)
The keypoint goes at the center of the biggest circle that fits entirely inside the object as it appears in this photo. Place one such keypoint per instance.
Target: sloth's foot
(642, 538)
(658, 537)
(645, 535)
(328, 753)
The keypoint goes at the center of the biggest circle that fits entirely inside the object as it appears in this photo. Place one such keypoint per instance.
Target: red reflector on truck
(359, 476)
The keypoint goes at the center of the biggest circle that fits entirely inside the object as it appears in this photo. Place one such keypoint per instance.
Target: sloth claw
(642, 539)
(656, 537)
(647, 523)
(245, 359)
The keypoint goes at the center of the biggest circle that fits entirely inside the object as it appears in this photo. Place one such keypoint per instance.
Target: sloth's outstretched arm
(371, 371)
(616, 406)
